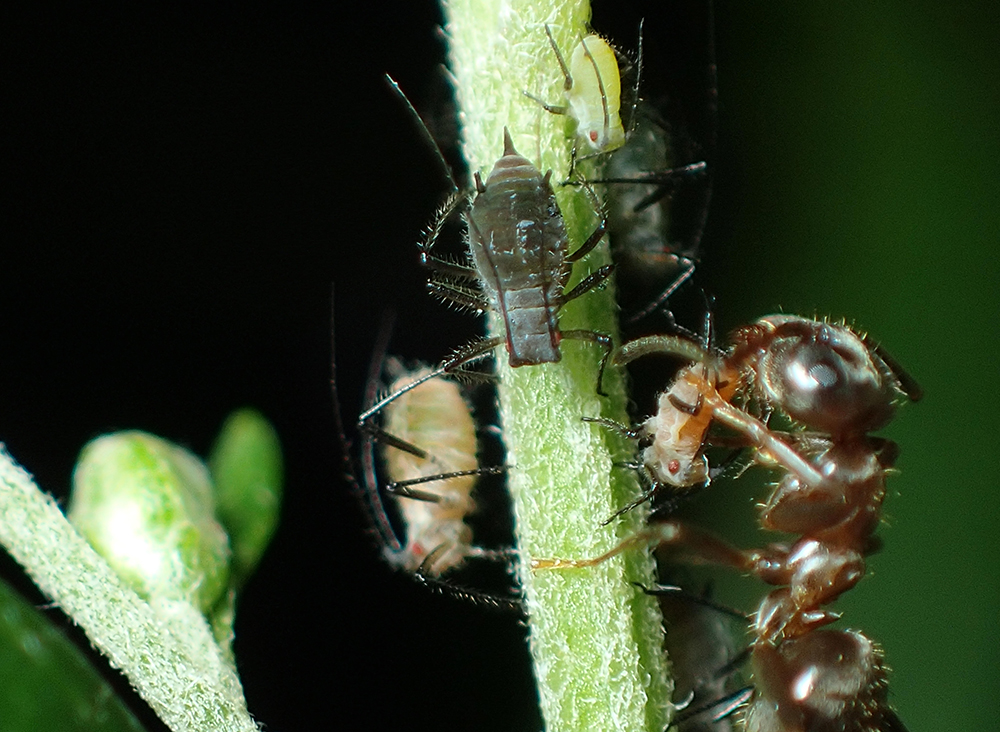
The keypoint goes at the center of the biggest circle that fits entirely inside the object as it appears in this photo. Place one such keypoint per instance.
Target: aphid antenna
(375, 508)
(365, 489)
(469, 594)
(425, 131)
(665, 345)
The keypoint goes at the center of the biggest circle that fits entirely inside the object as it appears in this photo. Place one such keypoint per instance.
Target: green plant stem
(165, 648)
(595, 639)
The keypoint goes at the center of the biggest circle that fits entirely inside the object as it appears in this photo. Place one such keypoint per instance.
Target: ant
(840, 386)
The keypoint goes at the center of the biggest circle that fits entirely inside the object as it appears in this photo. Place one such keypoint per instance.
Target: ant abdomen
(826, 681)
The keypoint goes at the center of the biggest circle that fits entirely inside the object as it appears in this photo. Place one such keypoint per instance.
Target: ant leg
(601, 339)
(764, 439)
(699, 545)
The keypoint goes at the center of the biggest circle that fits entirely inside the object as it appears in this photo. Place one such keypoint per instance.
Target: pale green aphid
(146, 506)
(593, 93)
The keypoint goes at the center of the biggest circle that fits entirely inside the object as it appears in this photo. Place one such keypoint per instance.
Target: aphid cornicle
(593, 93)
(519, 264)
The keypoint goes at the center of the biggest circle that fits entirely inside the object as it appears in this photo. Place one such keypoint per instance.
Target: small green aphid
(593, 93)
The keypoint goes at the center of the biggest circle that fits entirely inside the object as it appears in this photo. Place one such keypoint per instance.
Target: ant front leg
(699, 546)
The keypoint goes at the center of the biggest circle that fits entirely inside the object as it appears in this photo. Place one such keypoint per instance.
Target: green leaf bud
(248, 473)
(146, 505)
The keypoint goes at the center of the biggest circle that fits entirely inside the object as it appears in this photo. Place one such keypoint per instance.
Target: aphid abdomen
(518, 245)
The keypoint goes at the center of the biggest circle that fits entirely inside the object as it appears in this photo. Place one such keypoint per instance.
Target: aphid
(658, 186)
(519, 265)
(593, 93)
(839, 386)
(675, 437)
(428, 442)
(703, 655)
(648, 245)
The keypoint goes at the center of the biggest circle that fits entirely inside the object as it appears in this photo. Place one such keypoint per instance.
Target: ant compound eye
(826, 377)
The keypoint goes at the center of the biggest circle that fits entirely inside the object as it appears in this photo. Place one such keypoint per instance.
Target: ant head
(822, 375)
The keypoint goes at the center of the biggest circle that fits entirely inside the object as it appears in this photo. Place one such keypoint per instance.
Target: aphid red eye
(593, 136)
(674, 466)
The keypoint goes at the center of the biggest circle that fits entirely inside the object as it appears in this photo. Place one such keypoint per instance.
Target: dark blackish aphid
(838, 386)
(658, 188)
(519, 264)
(653, 258)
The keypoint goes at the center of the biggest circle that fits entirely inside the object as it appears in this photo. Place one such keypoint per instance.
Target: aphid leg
(460, 296)
(692, 409)
(630, 433)
(687, 265)
(592, 241)
(647, 495)
(468, 594)
(679, 592)
(404, 489)
(601, 339)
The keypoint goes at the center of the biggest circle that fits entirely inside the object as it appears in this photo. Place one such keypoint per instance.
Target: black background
(184, 184)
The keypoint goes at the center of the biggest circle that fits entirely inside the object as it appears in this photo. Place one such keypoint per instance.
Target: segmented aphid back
(435, 418)
(518, 244)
